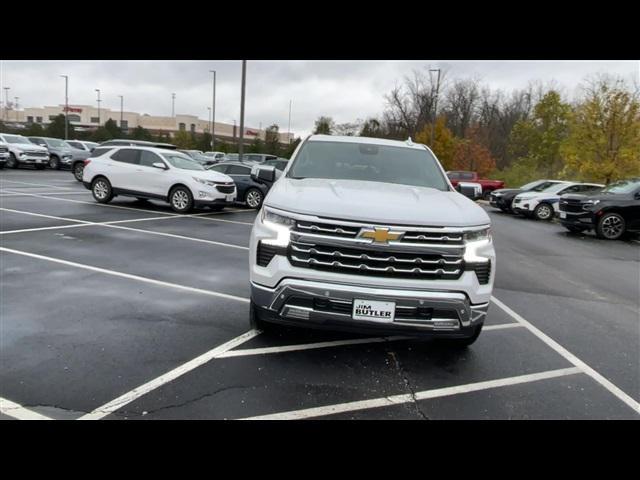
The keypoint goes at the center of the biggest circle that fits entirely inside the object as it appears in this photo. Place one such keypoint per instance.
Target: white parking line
(111, 225)
(338, 343)
(42, 193)
(138, 392)
(17, 411)
(204, 215)
(424, 395)
(570, 357)
(152, 281)
(34, 184)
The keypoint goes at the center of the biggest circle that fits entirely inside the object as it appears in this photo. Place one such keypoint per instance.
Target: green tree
(204, 142)
(272, 140)
(140, 133)
(183, 140)
(34, 130)
(444, 142)
(540, 137)
(372, 128)
(323, 126)
(56, 128)
(604, 144)
(257, 146)
(289, 149)
(112, 129)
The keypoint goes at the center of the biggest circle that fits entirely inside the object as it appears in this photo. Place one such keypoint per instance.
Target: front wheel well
(173, 187)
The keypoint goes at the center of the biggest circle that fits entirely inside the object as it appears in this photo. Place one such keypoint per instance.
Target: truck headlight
(279, 224)
(589, 203)
(477, 235)
(21, 154)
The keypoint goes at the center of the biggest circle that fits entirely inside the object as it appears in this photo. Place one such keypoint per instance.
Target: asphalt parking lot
(129, 311)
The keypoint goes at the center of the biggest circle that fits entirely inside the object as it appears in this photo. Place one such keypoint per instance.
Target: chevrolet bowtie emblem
(379, 235)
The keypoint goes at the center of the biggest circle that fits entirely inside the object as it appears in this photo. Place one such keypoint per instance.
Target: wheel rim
(53, 163)
(78, 171)
(544, 212)
(11, 162)
(101, 189)
(180, 199)
(253, 198)
(612, 226)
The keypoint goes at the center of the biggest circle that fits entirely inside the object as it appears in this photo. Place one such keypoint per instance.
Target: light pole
(209, 108)
(98, 90)
(66, 106)
(173, 105)
(6, 103)
(16, 105)
(121, 110)
(289, 127)
(213, 112)
(244, 82)
(435, 106)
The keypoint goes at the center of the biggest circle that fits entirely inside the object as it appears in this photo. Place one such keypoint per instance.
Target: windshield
(622, 186)
(15, 139)
(55, 143)
(182, 161)
(543, 186)
(373, 163)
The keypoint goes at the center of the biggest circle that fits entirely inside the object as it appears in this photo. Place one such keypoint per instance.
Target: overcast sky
(344, 90)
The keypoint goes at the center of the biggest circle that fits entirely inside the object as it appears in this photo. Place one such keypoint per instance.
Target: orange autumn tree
(444, 141)
(470, 154)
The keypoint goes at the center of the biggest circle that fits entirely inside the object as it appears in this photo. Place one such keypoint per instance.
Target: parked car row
(610, 211)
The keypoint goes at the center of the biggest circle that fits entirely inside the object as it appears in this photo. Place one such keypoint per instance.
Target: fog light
(202, 194)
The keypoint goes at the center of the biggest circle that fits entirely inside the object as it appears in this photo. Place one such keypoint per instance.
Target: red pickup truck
(488, 186)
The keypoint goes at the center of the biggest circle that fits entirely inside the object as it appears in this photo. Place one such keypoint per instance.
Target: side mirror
(160, 165)
(263, 174)
(469, 190)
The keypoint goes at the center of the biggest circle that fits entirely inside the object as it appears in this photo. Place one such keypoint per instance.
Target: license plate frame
(373, 310)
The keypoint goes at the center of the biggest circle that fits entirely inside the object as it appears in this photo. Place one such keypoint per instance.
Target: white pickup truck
(369, 235)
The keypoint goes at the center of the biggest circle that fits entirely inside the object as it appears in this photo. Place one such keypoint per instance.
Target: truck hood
(375, 202)
(28, 147)
(507, 190)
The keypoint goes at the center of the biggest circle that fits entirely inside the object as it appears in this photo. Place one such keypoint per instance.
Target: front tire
(101, 190)
(12, 161)
(611, 226)
(54, 163)
(456, 343)
(254, 320)
(78, 170)
(254, 198)
(543, 212)
(181, 199)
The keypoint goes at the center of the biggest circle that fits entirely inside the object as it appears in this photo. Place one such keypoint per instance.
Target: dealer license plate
(563, 214)
(374, 311)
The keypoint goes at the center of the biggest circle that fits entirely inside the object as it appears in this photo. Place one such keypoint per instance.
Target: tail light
(86, 162)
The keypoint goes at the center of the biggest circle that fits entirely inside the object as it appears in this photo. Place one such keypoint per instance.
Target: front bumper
(498, 202)
(31, 160)
(328, 305)
(584, 219)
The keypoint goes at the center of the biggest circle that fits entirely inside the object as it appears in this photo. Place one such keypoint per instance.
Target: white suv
(23, 152)
(544, 205)
(369, 235)
(153, 173)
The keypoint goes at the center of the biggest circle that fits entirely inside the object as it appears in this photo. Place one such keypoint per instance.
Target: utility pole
(209, 108)
(289, 127)
(6, 103)
(66, 106)
(173, 105)
(244, 82)
(17, 107)
(98, 90)
(435, 106)
(213, 112)
(121, 110)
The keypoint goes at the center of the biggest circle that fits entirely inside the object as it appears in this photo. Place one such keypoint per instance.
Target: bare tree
(461, 102)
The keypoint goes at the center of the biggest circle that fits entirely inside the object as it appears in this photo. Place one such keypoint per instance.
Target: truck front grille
(366, 261)
(38, 154)
(431, 236)
(4, 149)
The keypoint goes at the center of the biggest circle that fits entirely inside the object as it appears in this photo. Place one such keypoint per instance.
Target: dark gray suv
(60, 153)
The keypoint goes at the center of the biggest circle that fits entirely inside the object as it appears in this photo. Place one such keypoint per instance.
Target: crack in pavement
(125, 413)
(401, 371)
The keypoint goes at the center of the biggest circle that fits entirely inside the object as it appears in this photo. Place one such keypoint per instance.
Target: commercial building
(87, 117)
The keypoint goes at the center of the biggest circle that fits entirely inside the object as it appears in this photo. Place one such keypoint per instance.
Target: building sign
(72, 109)
(252, 132)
